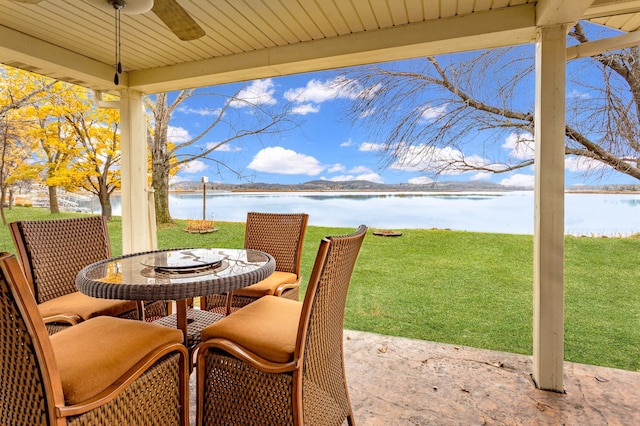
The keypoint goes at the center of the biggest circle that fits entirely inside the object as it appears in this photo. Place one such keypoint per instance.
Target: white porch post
(548, 294)
(137, 231)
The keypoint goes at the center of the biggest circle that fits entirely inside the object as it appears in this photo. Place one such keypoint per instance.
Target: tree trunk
(105, 201)
(160, 183)
(2, 195)
(53, 199)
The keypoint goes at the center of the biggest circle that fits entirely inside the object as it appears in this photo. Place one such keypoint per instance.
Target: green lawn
(465, 288)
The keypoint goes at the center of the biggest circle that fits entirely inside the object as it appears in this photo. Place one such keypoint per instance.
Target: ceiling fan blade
(177, 19)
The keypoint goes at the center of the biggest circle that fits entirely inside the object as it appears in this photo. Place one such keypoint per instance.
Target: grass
(464, 288)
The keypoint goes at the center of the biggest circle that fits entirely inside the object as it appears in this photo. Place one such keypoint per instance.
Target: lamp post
(204, 197)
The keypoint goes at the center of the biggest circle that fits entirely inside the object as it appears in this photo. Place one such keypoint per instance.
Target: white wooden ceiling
(247, 39)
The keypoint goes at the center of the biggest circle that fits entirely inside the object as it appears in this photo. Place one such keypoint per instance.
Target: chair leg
(140, 308)
(229, 302)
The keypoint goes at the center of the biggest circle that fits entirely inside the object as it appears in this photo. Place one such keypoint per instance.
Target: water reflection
(498, 212)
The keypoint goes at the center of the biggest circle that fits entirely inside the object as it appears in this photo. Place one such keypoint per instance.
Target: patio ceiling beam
(509, 26)
(612, 8)
(552, 12)
(36, 55)
(597, 47)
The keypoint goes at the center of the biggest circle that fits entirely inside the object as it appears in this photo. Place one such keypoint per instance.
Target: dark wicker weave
(236, 386)
(52, 252)
(196, 321)
(154, 391)
(282, 236)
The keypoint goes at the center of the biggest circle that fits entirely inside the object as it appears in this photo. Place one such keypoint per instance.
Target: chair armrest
(71, 319)
(243, 354)
(283, 287)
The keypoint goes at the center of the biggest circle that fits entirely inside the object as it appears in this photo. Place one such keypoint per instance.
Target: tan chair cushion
(267, 327)
(94, 354)
(268, 286)
(84, 306)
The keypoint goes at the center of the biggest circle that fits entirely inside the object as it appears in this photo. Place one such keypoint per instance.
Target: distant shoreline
(240, 191)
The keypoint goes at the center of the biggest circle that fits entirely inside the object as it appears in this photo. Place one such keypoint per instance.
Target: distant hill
(351, 185)
(364, 185)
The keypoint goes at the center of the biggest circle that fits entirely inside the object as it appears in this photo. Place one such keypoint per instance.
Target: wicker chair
(52, 252)
(281, 235)
(278, 361)
(104, 370)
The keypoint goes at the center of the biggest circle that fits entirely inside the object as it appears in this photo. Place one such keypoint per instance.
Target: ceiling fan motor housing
(128, 7)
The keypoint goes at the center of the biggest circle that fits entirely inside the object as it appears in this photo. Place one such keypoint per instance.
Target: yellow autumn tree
(17, 91)
(96, 133)
(52, 140)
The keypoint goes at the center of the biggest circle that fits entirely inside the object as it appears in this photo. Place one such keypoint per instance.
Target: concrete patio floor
(398, 381)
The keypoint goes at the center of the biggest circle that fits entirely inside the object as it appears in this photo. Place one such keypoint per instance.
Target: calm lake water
(499, 212)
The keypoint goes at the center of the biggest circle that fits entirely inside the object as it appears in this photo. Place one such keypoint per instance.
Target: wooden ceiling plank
(55, 61)
(314, 11)
(381, 12)
(366, 15)
(465, 6)
(234, 27)
(294, 29)
(303, 19)
(431, 9)
(448, 8)
(398, 12)
(351, 17)
(499, 4)
(415, 13)
(269, 25)
(334, 15)
(514, 25)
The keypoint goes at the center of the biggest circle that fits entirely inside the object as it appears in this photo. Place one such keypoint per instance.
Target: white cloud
(480, 176)
(430, 112)
(520, 145)
(195, 166)
(519, 180)
(305, 109)
(371, 177)
(582, 164)
(198, 111)
(423, 158)
(370, 146)
(224, 148)
(420, 180)
(576, 94)
(285, 161)
(178, 134)
(366, 113)
(259, 92)
(336, 168)
(317, 91)
(360, 170)
(347, 143)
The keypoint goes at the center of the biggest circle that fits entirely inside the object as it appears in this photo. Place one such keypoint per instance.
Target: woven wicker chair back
(279, 234)
(323, 387)
(53, 251)
(23, 398)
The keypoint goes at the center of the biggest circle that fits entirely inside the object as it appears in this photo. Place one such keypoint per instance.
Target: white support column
(137, 232)
(548, 294)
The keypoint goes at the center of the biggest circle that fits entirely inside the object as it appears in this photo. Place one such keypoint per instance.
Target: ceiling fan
(169, 11)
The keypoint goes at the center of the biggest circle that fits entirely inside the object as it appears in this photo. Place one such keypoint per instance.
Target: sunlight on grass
(464, 288)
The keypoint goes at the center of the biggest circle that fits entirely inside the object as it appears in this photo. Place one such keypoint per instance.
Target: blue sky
(326, 145)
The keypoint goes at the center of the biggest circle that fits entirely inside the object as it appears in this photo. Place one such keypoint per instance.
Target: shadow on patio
(398, 381)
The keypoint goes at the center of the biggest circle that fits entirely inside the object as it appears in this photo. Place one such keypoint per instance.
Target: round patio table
(175, 274)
